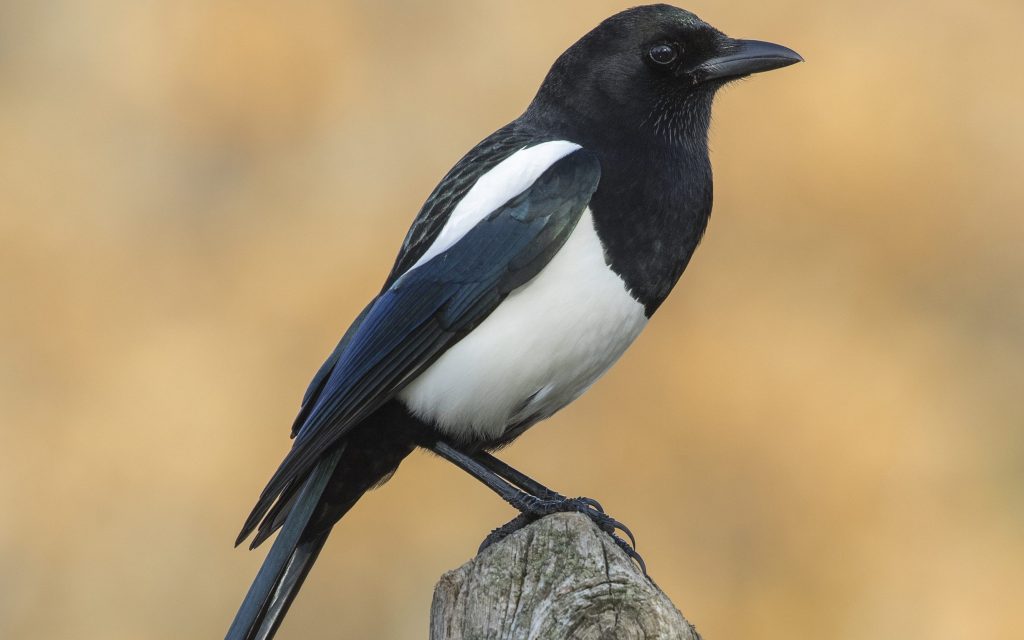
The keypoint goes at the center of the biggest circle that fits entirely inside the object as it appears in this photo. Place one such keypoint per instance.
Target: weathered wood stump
(562, 578)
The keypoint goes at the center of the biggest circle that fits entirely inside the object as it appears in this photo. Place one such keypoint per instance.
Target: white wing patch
(506, 180)
(544, 345)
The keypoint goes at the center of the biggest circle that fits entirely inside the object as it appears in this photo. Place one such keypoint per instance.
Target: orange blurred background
(820, 436)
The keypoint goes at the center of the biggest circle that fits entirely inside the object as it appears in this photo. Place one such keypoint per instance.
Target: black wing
(427, 309)
(425, 228)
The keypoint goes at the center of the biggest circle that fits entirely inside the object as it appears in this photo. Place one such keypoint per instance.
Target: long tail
(366, 458)
(288, 562)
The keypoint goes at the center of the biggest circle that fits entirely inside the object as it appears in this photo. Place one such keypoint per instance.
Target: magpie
(529, 270)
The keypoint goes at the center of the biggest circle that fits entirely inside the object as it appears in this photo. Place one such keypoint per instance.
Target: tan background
(820, 436)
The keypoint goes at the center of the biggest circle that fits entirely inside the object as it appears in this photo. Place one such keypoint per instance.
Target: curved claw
(619, 525)
(591, 502)
(624, 529)
(614, 525)
(631, 552)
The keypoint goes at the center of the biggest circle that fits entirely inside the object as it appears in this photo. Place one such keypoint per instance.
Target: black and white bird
(529, 270)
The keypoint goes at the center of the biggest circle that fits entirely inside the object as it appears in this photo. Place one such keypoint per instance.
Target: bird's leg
(525, 482)
(532, 507)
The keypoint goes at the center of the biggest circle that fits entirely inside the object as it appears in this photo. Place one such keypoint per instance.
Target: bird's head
(654, 67)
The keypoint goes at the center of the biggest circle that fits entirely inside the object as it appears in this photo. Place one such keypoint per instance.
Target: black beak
(738, 58)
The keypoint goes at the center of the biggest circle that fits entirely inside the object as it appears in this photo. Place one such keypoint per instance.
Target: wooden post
(560, 578)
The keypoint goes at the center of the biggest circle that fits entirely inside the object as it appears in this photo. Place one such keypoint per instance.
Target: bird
(531, 267)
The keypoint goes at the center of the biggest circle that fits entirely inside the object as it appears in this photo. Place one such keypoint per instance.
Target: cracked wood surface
(562, 578)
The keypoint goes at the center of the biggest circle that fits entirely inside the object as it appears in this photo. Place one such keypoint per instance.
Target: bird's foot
(505, 530)
(533, 508)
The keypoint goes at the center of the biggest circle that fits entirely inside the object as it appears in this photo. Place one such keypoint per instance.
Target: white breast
(538, 351)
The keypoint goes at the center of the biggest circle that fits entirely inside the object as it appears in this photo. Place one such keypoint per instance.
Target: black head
(651, 69)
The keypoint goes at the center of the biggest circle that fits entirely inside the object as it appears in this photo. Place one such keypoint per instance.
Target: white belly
(538, 351)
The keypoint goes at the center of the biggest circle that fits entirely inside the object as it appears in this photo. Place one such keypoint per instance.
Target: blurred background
(820, 435)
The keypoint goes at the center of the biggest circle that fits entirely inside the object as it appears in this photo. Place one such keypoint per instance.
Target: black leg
(525, 482)
(492, 480)
(531, 506)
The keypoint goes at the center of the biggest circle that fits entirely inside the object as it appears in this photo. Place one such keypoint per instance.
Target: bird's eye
(663, 54)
